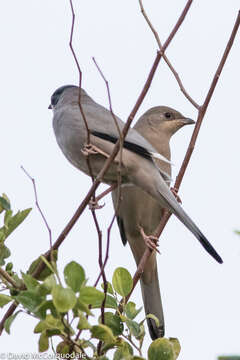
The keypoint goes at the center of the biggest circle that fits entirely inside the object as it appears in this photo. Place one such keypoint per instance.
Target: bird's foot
(90, 149)
(94, 205)
(151, 241)
(175, 193)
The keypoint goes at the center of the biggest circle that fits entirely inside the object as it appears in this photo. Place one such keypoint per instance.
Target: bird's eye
(167, 115)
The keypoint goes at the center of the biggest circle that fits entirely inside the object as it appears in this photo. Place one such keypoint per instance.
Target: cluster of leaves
(11, 222)
(66, 311)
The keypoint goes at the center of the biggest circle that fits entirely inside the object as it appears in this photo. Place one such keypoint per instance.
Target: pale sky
(200, 297)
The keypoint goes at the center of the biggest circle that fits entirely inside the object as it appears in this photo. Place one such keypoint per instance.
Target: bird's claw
(175, 193)
(94, 205)
(151, 241)
(90, 149)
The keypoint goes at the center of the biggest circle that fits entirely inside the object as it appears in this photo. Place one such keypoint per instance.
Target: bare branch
(177, 77)
(4, 274)
(204, 107)
(38, 206)
(107, 191)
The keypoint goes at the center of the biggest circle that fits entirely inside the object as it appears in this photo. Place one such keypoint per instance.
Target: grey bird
(138, 155)
(136, 208)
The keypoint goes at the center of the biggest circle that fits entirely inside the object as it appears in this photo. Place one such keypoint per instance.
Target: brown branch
(79, 71)
(118, 185)
(4, 274)
(175, 74)
(8, 313)
(107, 191)
(108, 162)
(38, 206)
(204, 107)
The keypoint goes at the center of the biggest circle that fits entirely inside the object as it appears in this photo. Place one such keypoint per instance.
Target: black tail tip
(219, 259)
(154, 331)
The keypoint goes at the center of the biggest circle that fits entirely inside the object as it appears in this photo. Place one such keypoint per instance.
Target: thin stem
(177, 77)
(38, 206)
(8, 278)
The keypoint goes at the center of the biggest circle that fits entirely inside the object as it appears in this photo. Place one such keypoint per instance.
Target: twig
(8, 313)
(107, 191)
(99, 232)
(38, 206)
(133, 344)
(108, 162)
(79, 71)
(9, 278)
(177, 77)
(119, 178)
(107, 251)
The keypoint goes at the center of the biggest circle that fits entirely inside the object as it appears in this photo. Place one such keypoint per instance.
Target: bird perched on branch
(138, 155)
(136, 208)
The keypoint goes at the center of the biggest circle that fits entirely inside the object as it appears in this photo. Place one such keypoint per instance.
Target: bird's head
(58, 94)
(163, 119)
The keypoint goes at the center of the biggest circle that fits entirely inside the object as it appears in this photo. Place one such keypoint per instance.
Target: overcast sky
(201, 298)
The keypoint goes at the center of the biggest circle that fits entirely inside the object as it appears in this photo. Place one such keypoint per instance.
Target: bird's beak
(187, 121)
(50, 106)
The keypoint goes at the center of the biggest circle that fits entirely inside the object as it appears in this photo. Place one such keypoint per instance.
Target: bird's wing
(102, 124)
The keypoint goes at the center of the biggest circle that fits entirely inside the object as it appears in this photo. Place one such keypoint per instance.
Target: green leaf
(177, 347)
(49, 323)
(4, 203)
(29, 281)
(114, 322)
(122, 281)
(124, 351)
(47, 263)
(16, 220)
(151, 316)
(64, 348)
(4, 253)
(131, 311)
(9, 267)
(41, 310)
(110, 303)
(109, 288)
(4, 299)
(46, 272)
(50, 282)
(7, 217)
(82, 307)
(74, 275)
(29, 299)
(8, 322)
(64, 299)
(2, 235)
(161, 349)
(43, 343)
(83, 323)
(91, 296)
(134, 327)
(103, 333)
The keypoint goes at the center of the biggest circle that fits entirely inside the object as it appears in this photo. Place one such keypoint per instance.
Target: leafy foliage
(67, 310)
